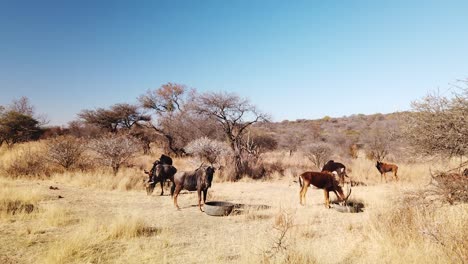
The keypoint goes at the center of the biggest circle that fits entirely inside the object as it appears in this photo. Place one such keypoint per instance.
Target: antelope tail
(301, 181)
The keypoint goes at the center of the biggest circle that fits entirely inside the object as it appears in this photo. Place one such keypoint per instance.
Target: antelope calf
(386, 167)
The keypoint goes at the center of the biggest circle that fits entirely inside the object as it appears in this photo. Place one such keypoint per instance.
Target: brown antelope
(322, 180)
(386, 167)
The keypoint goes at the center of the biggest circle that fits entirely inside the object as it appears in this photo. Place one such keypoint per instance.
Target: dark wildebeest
(165, 159)
(339, 168)
(161, 171)
(322, 180)
(198, 180)
(386, 167)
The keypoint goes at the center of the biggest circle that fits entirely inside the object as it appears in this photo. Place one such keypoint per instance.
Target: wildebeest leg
(199, 199)
(204, 196)
(172, 189)
(327, 198)
(176, 193)
(162, 186)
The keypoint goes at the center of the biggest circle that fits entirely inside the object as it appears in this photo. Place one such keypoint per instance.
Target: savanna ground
(100, 218)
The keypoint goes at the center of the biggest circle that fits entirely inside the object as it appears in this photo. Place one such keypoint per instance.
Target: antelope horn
(349, 193)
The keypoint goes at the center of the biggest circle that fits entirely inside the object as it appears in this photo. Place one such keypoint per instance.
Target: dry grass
(110, 219)
(101, 242)
(17, 201)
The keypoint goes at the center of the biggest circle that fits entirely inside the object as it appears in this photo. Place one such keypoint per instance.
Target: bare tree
(114, 149)
(208, 149)
(172, 116)
(438, 124)
(381, 138)
(318, 153)
(22, 106)
(258, 143)
(65, 151)
(234, 115)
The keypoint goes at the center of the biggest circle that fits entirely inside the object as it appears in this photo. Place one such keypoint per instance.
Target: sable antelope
(322, 180)
(198, 180)
(386, 167)
(332, 166)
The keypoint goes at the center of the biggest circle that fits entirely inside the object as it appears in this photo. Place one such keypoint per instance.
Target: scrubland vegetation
(75, 194)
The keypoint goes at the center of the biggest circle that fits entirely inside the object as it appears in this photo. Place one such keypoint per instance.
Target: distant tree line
(222, 126)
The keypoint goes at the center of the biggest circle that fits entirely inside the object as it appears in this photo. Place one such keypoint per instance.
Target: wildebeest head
(208, 172)
(149, 186)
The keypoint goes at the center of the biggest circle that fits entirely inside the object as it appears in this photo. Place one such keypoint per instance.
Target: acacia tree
(118, 116)
(16, 127)
(438, 124)
(234, 115)
(167, 102)
(173, 119)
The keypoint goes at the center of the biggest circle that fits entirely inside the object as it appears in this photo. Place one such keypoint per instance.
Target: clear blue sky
(293, 59)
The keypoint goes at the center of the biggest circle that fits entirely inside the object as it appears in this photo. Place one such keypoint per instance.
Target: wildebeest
(165, 159)
(386, 167)
(198, 180)
(339, 168)
(161, 171)
(322, 180)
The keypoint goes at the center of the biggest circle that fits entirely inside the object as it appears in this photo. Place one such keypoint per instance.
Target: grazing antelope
(386, 167)
(322, 180)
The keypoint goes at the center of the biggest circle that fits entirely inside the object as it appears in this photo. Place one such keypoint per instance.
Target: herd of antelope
(332, 178)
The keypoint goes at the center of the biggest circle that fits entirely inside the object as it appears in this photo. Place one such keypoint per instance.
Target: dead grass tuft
(18, 201)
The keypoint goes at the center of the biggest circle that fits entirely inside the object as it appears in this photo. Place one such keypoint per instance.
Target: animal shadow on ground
(351, 207)
(240, 209)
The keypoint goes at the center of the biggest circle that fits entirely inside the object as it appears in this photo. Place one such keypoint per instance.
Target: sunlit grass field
(96, 217)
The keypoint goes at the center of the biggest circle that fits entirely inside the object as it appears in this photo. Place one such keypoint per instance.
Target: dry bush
(318, 153)
(114, 150)
(438, 125)
(26, 160)
(66, 151)
(453, 187)
(418, 234)
(208, 150)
